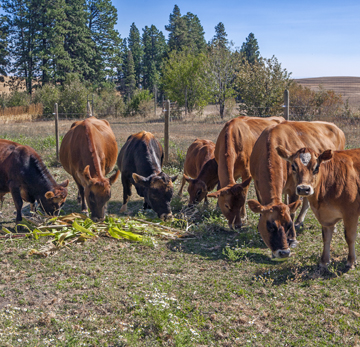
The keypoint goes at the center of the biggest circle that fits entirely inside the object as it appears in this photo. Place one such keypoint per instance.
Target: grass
(215, 288)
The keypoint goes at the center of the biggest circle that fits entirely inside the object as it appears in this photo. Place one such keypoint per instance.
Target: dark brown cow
(25, 176)
(88, 152)
(201, 166)
(272, 178)
(232, 153)
(331, 183)
(140, 162)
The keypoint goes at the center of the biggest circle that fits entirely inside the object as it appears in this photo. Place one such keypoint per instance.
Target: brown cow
(272, 178)
(140, 162)
(232, 153)
(25, 176)
(331, 183)
(88, 152)
(201, 166)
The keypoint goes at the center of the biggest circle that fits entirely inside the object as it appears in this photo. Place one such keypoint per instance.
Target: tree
(129, 73)
(154, 45)
(4, 53)
(250, 49)
(261, 86)
(220, 37)
(135, 46)
(195, 33)
(221, 74)
(184, 79)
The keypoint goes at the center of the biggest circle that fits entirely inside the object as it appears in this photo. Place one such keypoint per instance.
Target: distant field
(348, 87)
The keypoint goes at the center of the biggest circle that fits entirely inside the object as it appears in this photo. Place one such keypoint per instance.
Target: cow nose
(235, 226)
(303, 190)
(284, 253)
(166, 216)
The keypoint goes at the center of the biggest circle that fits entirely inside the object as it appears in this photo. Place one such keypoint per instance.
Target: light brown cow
(272, 178)
(201, 166)
(232, 153)
(88, 152)
(331, 183)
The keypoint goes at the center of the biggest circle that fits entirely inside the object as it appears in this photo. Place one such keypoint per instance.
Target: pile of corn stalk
(77, 227)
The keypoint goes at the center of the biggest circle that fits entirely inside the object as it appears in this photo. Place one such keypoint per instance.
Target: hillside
(348, 87)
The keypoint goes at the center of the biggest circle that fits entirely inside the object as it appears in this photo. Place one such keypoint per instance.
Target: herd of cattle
(294, 159)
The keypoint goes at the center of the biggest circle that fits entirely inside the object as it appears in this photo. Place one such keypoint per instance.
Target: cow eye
(198, 192)
(316, 169)
(293, 167)
(227, 206)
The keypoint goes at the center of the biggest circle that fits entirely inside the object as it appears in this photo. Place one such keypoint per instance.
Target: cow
(200, 170)
(140, 162)
(232, 153)
(25, 176)
(88, 152)
(272, 178)
(331, 182)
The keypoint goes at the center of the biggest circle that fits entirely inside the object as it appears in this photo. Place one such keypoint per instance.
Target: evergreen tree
(154, 45)
(195, 33)
(4, 54)
(177, 30)
(220, 37)
(250, 49)
(129, 74)
(135, 46)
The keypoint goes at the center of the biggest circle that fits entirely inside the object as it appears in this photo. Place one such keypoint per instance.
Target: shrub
(17, 98)
(48, 95)
(139, 103)
(109, 103)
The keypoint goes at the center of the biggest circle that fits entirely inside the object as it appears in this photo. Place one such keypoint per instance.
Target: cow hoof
(323, 266)
(299, 226)
(123, 208)
(85, 212)
(350, 266)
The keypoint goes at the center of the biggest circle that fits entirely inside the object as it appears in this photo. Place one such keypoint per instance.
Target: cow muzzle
(166, 217)
(282, 253)
(304, 190)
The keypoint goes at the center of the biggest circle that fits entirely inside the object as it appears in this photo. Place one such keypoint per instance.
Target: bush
(48, 95)
(140, 103)
(16, 98)
(109, 103)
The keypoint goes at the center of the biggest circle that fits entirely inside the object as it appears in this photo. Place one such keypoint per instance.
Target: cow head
(197, 190)
(276, 227)
(158, 190)
(305, 165)
(97, 192)
(54, 199)
(231, 199)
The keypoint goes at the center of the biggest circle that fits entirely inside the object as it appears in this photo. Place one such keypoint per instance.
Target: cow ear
(138, 179)
(114, 177)
(49, 195)
(173, 178)
(246, 182)
(325, 156)
(64, 184)
(294, 206)
(214, 194)
(187, 178)
(283, 153)
(86, 173)
(255, 206)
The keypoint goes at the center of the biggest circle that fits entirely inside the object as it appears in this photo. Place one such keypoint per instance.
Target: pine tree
(4, 53)
(154, 45)
(135, 46)
(195, 33)
(130, 80)
(250, 49)
(220, 37)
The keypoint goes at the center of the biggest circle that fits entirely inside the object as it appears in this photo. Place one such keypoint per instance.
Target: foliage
(109, 103)
(184, 79)
(16, 98)
(310, 103)
(141, 103)
(4, 53)
(48, 95)
(136, 48)
(261, 86)
(250, 49)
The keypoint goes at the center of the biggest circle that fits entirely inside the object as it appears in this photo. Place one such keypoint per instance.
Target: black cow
(25, 176)
(140, 162)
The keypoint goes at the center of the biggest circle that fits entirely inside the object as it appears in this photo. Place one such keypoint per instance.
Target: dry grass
(20, 114)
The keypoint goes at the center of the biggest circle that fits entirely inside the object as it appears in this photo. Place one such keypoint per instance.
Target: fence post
(166, 132)
(286, 104)
(57, 130)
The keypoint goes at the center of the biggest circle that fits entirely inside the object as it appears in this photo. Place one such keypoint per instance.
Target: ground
(215, 288)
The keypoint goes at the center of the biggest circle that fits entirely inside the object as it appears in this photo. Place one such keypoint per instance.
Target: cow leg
(16, 195)
(327, 233)
(350, 237)
(126, 193)
(243, 214)
(81, 198)
(300, 218)
(146, 206)
(183, 181)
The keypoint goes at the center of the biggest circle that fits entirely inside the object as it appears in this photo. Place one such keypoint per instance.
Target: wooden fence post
(57, 130)
(166, 132)
(286, 104)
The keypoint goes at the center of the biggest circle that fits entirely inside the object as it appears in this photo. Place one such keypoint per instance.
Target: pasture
(215, 288)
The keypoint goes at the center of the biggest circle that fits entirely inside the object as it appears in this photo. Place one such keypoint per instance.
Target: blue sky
(310, 38)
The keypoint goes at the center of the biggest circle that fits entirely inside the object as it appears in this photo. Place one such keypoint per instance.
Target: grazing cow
(201, 166)
(88, 152)
(331, 183)
(232, 153)
(140, 162)
(25, 176)
(272, 178)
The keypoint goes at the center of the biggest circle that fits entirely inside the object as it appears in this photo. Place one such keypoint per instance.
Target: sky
(315, 38)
